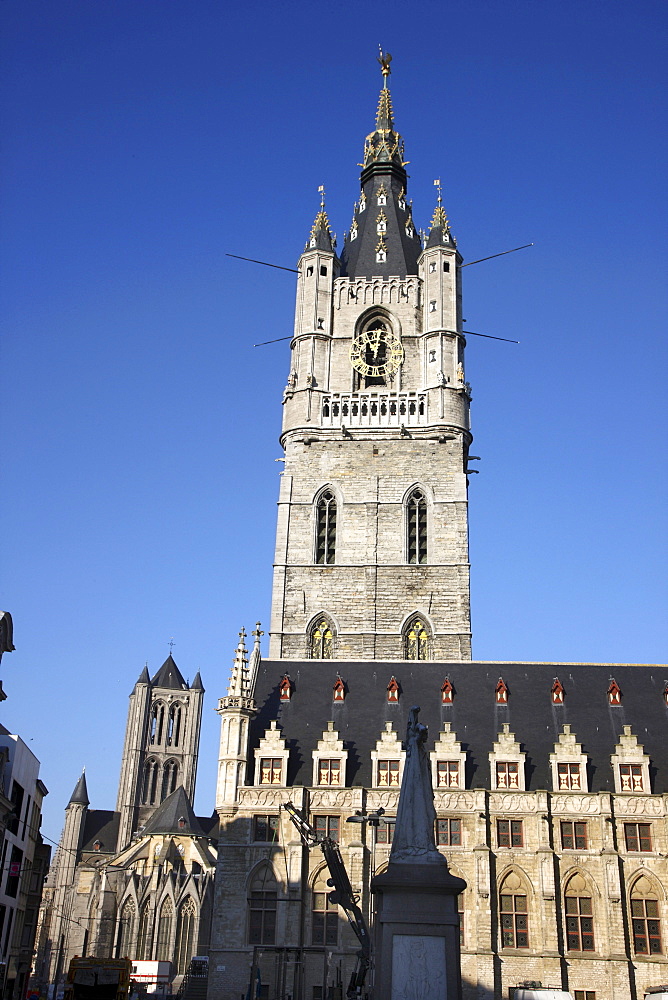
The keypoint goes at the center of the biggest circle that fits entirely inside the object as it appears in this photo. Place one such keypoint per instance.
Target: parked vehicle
(98, 979)
(153, 978)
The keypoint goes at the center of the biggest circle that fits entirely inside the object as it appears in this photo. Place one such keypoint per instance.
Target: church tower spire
(382, 239)
(372, 537)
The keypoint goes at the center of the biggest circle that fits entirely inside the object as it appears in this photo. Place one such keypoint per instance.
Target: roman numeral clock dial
(376, 352)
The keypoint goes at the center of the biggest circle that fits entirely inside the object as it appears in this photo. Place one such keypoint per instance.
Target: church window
(514, 920)
(174, 726)
(631, 777)
(507, 774)
(144, 935)
(416, 640)
(325, 916)
(416, 529)
(169, 776)
(573, 836)
(645, 919)
(322, 640)
(509, 833)
(262, 909)
(326, 826)
(185, 936)
(325, 543)
(569, 776)
(266, 829)
(125, 930)
(447, 774)
(638, 836)
(150, 784)
(579, 916)
(329, 771)
(388, 774)
(157, 722)
(163, 951)
(449, 832)
(271, 770)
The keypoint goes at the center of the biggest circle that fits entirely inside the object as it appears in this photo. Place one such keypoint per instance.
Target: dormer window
(388, 774)
(447, 774)
(353, 231)
(339, 689)
(507, 774)
(569, 764)
(97, 845)
(665, 694)
(507, 761)
(285, 688)
(271, 757)
(381, 223)
(362, 204)
(401, 200)
(447, 692)
(557, 692)
(501, 692)
(181, 822)
(393, 690)
(381, 251)
(311, 242)
(630, 764)
(329, 771)
(329, 759)
(614, 693)
(410, 232)
(271, 770)
(382, 195)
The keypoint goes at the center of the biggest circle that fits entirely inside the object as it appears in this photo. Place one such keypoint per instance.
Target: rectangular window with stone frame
(388, 774)
(638, 836)
(266, 829)
(569, 776)
(326, 826)
(509, 833)
(507, 774)
(329, 771)
(514, 921)
(385, 832)
(447, 774)
(630, 776)
(573, 835)
(449, 832)
(271, 770)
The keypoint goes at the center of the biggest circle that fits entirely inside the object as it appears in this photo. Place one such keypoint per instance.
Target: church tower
(161, 745)
(372, 539)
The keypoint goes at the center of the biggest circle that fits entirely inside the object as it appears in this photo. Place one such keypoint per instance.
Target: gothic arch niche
(514, 911)
(416, 514)
(150, 782)
(170, 774)
(646, 898)
(175, 724)
(157, 721)
(144, 933)
(262, 899)
(326, 510)
(163, 948)
(321, 637)
(416, 636)
(374, 321)
(186, 935)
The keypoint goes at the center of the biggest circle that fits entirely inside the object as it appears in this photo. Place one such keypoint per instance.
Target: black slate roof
(80, 794)
(169, 676)
(475, 716)
(102, 825)
(175, 809)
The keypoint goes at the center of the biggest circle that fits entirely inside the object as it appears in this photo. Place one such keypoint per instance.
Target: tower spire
(322, 237)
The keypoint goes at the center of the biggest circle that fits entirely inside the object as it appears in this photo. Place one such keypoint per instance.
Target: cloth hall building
(550, 780)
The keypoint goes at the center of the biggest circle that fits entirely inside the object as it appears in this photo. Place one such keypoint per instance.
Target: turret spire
(239, 680)
(439, 229)
(321, 237)
(384, 145)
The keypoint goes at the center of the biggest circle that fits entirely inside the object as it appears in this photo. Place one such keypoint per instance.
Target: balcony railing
(374, 409)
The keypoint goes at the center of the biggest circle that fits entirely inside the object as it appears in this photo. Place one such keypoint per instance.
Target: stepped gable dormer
(394, 248)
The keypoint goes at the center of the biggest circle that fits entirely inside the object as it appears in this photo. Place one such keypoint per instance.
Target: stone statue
(414, 830)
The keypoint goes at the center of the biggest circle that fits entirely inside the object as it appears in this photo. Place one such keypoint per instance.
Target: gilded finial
(321, 192)
(437, 184)
(384, 59)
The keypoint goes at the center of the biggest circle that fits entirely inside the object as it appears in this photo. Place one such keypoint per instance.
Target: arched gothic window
(186, 938)
(645, 918)
(150, 784)
(416, 639)
(169, 775)
(579, 915)
(416, 527)
(262, 908)
(321, 644)
(324, 914)
(163, 951)
(174, 725)
(144, 934)
(514, 913)
(126, 927)
(325, 540)
(157, 723)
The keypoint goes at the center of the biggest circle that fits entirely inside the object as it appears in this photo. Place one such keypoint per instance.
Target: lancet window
(174, 725)
(645, 918)
(262, 909)
(185, 936)
(169, 777)
(325, 543)
(321, 645)
(416, 527)
(157, 723)
(163, 952)
(514, 913)
(325, 916)
(150, 784)
(144, 934)
(416, 640)
(579, 915)
(125, 930)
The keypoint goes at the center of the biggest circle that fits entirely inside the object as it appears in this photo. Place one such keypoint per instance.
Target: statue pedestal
(416, 932)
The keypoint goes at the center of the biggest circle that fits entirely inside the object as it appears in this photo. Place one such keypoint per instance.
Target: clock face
(376, 352)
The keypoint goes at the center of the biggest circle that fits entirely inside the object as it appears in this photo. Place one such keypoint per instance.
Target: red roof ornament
(339, 689)
(665, 693)
(501, 692)
(558, 692)
(447, 692)
(614, 693)
(285, 688)
(393, 689)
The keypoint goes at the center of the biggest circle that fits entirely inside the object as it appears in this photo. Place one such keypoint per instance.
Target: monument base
(416, 931)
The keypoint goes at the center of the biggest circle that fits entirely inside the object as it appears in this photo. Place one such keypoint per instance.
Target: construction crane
(342, 893)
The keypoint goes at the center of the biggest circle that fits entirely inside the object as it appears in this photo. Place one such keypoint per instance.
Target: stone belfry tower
(372, 539)
(161, 745)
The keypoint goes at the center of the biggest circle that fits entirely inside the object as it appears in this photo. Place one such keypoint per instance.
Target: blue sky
(144, 140)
